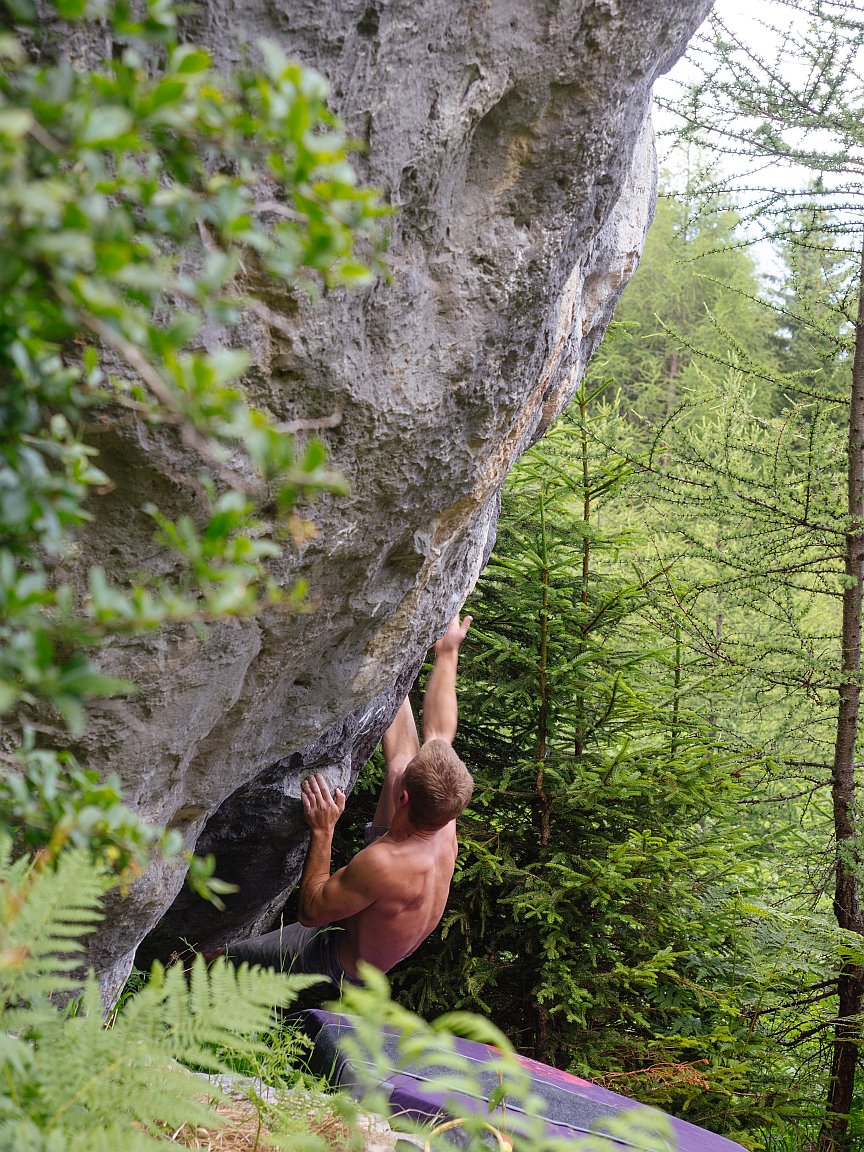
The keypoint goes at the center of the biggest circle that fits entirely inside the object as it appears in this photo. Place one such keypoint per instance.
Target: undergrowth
(168, 1063)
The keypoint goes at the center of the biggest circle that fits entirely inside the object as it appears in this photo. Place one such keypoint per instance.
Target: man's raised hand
(452, 639)
(320, 808)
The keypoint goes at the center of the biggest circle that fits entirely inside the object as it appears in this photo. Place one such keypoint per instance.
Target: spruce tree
(592, 915)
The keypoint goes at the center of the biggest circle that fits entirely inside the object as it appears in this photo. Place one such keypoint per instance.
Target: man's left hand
(452, 639)
(320, 808)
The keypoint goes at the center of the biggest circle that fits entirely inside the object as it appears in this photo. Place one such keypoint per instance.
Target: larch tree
(695, 282)
(799, 108)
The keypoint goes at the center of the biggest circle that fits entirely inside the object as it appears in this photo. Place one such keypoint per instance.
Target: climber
(391, 895)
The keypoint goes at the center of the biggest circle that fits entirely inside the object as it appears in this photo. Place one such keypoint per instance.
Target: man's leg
(279, 949)
(298, 951)
(400, 746)
(295, 950)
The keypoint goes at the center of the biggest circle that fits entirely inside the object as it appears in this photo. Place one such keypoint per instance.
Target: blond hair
(438, 784)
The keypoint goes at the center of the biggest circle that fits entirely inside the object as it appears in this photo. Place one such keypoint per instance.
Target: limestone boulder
(513, 140)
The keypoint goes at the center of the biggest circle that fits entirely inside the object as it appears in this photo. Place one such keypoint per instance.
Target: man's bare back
(392, 894)
(409, 881)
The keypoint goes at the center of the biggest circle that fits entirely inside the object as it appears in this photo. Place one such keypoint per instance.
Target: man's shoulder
(376, 869)
(387, 856)
(375, 854)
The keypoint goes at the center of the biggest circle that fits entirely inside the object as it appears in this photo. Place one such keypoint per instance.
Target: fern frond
(44, 914)
(71, 1084)
(116, 1138)
(70, 1075)
(23, 1135)
(134, 1067)
(224, 1008)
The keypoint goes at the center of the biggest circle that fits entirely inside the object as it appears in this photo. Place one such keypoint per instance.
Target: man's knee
(278, 949)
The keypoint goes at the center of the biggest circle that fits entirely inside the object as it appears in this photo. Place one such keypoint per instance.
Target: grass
(243, 1131)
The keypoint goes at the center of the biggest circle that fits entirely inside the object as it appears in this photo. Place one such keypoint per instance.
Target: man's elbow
(447, 734)
(310, 917)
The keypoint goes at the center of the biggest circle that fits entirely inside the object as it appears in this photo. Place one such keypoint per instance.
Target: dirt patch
(244, 1131)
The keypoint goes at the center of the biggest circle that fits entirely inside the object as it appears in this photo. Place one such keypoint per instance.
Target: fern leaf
(68, 1083)
(44, 913)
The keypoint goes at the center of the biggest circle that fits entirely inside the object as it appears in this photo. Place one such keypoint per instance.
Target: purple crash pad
(570, 1105)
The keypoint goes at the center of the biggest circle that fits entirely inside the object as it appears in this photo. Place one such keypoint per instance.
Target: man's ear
(402, 798)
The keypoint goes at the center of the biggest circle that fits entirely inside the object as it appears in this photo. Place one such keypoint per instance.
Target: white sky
(747, 19)
(743, 16)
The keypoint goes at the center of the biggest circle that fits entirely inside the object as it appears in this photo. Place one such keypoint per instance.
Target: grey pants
(295, 949)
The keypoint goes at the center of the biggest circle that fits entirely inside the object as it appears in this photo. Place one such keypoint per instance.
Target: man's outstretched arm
(440, 711)
(400, 746)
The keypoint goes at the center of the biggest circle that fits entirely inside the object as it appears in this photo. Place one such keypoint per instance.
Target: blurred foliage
(142, 195)
(71, 1082)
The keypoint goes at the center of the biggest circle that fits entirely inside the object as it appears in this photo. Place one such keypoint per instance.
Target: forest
(650, 699)
(659, 879)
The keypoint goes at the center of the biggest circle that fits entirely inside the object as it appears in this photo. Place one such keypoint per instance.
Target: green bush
(69, 1083)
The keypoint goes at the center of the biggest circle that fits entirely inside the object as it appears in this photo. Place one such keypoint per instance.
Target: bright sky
(747, 20)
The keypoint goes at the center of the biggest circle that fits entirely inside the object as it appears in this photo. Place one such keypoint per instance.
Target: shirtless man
(391, 896)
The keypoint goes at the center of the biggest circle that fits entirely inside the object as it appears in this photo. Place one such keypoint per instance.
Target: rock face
(513, 140)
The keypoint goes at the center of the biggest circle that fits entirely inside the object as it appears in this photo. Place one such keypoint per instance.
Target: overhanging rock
(513, 140)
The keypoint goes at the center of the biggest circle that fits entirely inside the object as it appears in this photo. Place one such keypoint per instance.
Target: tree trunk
(672, 383)
(834, 1135)
(543, 804)
(579, 742)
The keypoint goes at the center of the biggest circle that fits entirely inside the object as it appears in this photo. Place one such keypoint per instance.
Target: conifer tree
(802, 109)
(694, 285)
(587, 917)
